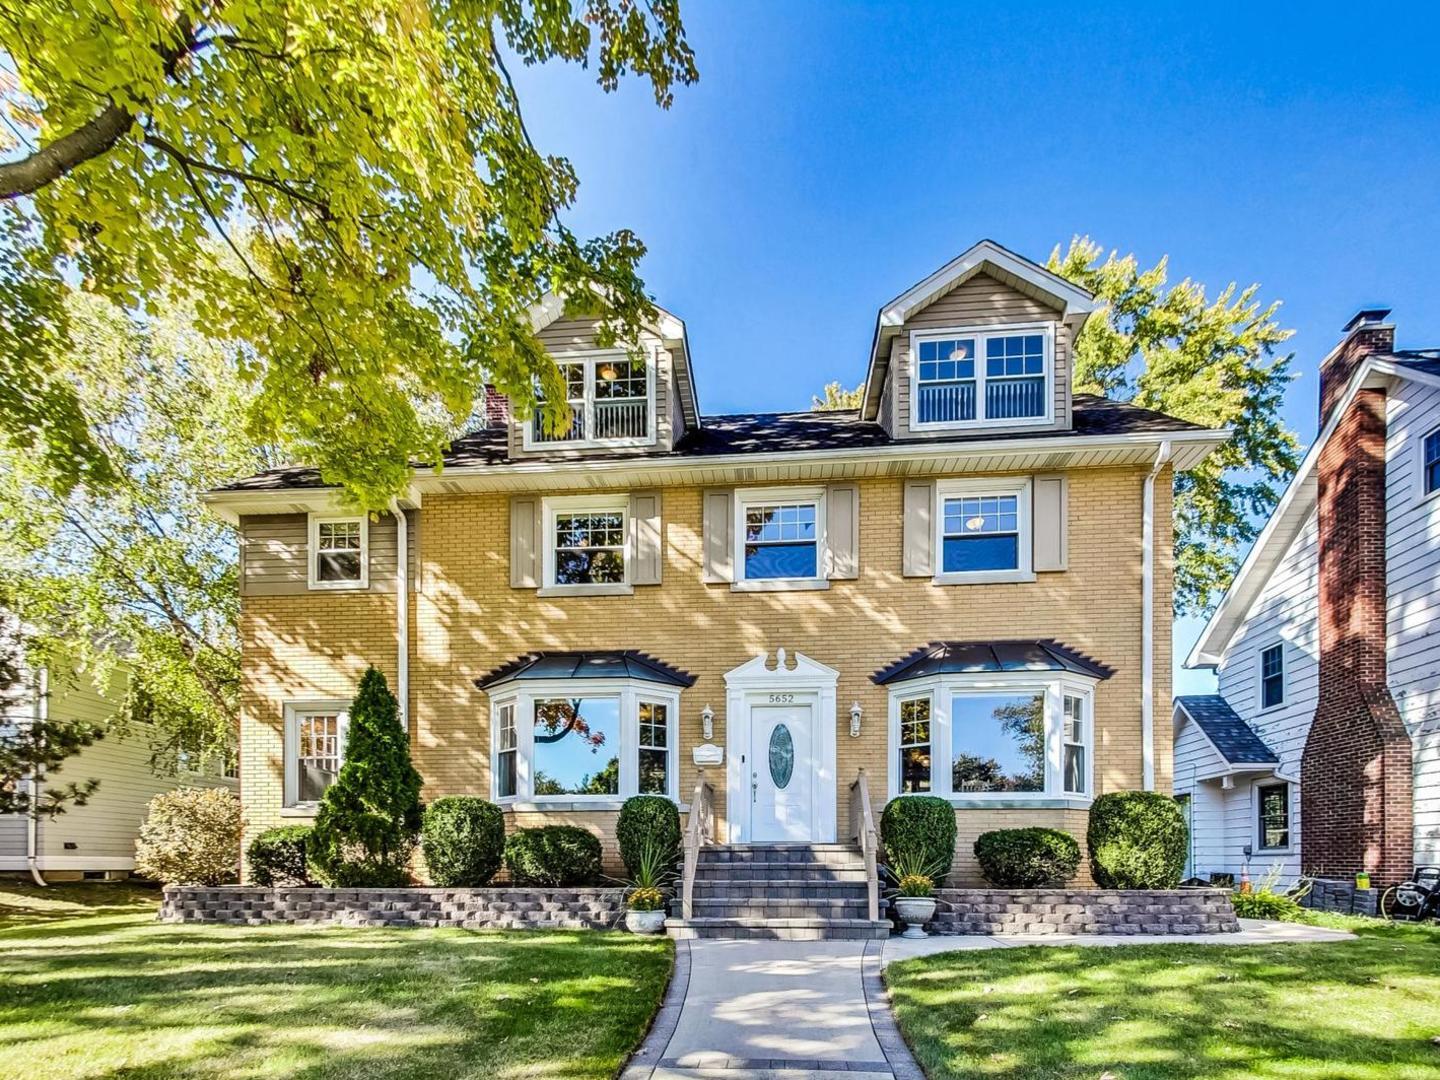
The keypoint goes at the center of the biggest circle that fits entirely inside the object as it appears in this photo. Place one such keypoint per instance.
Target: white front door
(782, 772)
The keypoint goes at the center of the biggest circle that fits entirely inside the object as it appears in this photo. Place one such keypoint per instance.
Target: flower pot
(645, 922)
(1362, 880)
(916, 911)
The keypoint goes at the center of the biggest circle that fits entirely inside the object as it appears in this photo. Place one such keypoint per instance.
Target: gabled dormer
(981, 345)
(620, 403)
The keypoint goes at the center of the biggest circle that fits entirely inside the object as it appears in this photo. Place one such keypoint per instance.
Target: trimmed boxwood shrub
(277, 858)
(919, 830)
(647, 820)
(553, 855)
(1027, 858)
(463, 838)
(1137, 840)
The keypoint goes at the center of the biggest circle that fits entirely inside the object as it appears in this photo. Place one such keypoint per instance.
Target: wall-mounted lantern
(707, 723)
(855, 713)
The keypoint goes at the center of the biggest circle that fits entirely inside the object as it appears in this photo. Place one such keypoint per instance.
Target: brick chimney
(497, 408)
(1356, 769)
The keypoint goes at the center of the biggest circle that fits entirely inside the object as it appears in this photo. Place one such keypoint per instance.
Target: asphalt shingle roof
(592, 664)
(961, 657)
(1236, 740)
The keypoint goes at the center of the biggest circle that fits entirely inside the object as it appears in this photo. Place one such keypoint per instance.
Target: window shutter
(719, 539)
(525, 542)
(918, 559)
(645, 547)
(842, 531)
(1051, 523)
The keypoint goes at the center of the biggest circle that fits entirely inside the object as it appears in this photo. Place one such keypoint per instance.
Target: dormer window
(613, 402)
(974, 377)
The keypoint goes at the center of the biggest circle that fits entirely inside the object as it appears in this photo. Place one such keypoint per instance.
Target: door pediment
(787, 670)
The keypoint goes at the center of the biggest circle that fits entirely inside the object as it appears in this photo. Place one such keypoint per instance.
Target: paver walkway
(816, 1010)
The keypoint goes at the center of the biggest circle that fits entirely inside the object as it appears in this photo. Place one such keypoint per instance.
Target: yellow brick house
(962, 589)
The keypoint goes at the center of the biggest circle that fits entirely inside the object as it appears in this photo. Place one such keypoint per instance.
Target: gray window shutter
(645, 548)
(842, 530)
(1051, 522)
(719, 539)
(526, 542)
(918, 559)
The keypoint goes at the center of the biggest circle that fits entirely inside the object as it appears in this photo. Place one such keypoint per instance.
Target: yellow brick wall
(467, 620)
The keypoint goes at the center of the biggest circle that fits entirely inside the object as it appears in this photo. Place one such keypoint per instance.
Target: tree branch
(55, 159)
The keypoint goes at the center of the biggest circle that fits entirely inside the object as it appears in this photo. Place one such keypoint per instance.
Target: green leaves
(1211, 362)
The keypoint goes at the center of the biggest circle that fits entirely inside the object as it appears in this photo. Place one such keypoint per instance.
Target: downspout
(402, 610)
(1147, 623)
(32, 831)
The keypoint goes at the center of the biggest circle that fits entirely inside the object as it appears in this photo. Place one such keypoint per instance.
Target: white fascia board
(231, 506)
(1290, 514)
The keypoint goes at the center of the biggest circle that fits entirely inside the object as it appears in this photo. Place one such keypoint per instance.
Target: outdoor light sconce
(855, 713)
(707, 723)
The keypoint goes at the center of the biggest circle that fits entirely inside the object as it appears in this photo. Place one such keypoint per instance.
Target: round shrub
(553, 855)
(1137, 840)
(1027, 858)
(463, 839)
(277, 858)
(647, 821)
(191, 836)
(919, 831)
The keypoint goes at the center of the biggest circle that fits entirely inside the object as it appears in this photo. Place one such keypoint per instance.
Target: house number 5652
(781, 699)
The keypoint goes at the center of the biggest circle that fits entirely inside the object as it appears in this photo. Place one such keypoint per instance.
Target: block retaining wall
(473, 909)
(1084, 911)
(1341, 895)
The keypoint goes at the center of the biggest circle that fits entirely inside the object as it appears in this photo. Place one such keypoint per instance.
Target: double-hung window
(780, 538)
(611, 399)
(314, 750)
(586, 544)
(983, 531)
(1272, 676)
(1073, 740)
(913, 745)
(507, 745)
(1272, 817)
(339, 552)
(1430, 462)
(977, 376)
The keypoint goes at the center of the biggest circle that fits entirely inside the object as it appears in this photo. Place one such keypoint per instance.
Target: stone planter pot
(916, 911)
(645, 922)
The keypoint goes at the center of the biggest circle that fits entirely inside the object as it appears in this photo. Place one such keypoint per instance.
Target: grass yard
(1358, 1009)
(91, 986)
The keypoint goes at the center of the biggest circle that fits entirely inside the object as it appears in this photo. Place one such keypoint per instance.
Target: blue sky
(834, 153)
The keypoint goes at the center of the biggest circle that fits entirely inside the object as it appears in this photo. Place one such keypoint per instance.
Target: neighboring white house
(1327, 645)
(96, 840)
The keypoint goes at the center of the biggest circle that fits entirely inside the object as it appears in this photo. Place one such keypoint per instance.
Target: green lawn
(91, 986)
(1358, 1009)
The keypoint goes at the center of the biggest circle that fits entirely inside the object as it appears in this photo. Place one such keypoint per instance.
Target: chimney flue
(1367, 334)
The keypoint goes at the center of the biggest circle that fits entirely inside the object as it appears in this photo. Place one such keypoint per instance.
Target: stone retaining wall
(474, 909)
(1341, 895)
(1084, 911)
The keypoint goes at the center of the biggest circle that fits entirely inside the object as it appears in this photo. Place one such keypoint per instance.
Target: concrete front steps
(789, 892)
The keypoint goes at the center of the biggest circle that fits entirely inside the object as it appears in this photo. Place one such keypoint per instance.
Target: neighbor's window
(781, 541)
(589, 546)
(997, 742)
(654, 748)
(1273, 808)
(337, 552)
(914, 745)
(609, 399)
(315, 750)
(1430, 453)
(506, 751)
(1072, 742)
(952, 388)
(576, 746)
(1272, 677)
(980, 532)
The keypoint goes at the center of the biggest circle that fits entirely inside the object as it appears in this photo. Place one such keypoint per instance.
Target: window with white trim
(314, 751)
(973, 377)
(612, 403)
(983, 531)
(992, 736)
(1430, 462)
(339, 552)
(1272, 816)
(1272, 676)
(780, 536)
(584, 740)
(586, 543)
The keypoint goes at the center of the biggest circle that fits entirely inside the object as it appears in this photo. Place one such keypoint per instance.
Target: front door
(781, 773)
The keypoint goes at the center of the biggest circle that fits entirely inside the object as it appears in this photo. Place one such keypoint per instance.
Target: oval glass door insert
(782, 756)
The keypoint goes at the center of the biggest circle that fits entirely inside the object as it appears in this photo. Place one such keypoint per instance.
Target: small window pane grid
(997, 743)
(317, 754)
(781, 541)
(914, 746)
(590, 547)
(1272, 677)
(507, 749)
(574, 376)
(980, 533)
(577, 746)
(654, 748)
(610, 400)
(1014, 379)
(1274, 814)
(337, 551)
(1431, 451)
(1072, 741)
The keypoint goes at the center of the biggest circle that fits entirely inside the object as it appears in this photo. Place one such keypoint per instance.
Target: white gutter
(32, 832)
(1147, 623)
(402, 611)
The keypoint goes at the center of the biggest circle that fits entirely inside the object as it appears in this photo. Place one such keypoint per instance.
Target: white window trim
(1420, 493)
(1025, 544)
(1260, 706)
(787, 494)
(590, 358)
(312, 551)
(524, 693)
(981, 334)
(1259, 835)
(294, 710)
(940, 688)
(563, 504)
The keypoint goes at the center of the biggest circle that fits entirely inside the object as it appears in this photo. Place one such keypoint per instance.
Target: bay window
(969, 377)
(612, 403)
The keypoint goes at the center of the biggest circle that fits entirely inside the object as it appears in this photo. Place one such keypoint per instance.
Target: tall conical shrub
(368, 820)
